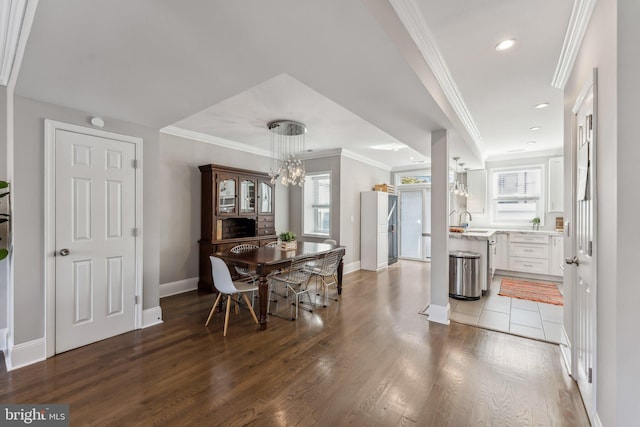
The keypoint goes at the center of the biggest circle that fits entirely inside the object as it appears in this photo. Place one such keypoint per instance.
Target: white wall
(28, 205)
(179, 211)
(356, 177)
(628, 229)
(599, 50)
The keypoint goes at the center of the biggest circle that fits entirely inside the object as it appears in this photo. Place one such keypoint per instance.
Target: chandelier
(287, 143)
(458, 188)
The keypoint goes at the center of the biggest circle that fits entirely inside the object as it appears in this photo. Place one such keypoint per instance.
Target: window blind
(518, 184)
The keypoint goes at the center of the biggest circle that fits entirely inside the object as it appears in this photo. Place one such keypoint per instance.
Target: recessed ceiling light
(541, 105)
(505, 44)
(535, 128)
(389, 147)
(411, 158)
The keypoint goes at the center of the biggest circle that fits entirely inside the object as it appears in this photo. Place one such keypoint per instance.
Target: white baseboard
(438, 313)
(3, 340)
(179, 287)
(596, 421)
(565, 350)
(351, 267)
(26, 354)
(151, 316)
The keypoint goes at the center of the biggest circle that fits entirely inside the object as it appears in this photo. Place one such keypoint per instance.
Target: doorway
(93, 219)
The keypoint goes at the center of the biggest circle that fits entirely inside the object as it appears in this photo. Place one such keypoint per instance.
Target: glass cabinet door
(265, 198)
(247, 195)
(227, 193)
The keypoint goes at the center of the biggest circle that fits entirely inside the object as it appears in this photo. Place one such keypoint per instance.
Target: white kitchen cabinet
(501, 256)
(477, 187)
(556, 256)
(555, 185)
(529, 253)
(374, 242)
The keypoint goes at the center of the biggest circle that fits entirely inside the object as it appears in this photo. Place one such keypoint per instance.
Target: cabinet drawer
(529, 251)
(266, 218)
(266, 231)
(529, 265)
(266, 225)
(528, 238)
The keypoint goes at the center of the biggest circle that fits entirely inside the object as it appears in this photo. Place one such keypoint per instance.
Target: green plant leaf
(3, 253)
(3, 220)
(4, 184)
(4, 194)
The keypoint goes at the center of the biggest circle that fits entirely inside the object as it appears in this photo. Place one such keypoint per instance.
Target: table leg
(340, 268)
(263, 296)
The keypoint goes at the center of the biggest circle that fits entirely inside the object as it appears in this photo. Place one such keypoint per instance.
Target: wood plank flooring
(369, 360)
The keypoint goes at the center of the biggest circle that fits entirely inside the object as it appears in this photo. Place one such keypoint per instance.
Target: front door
(95, 238)
(415, 223)
(584, 244)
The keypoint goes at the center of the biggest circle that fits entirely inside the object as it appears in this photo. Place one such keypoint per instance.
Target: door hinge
(136, 163)
(590, 375)
(590, 248)
(136, 232)
(137, 300)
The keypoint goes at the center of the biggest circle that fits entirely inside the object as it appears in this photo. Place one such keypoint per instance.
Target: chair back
(272, 244)
(331, 262)
(298, 271)
(221, 276)
(243, 248)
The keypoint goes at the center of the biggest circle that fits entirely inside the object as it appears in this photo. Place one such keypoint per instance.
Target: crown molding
(525, 155)
(411, 18)
(578, 24)
(221, 142)
(12, 13)
(362, 159)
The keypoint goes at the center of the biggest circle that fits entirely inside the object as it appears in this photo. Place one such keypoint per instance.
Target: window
(317, 204)
(517, 195)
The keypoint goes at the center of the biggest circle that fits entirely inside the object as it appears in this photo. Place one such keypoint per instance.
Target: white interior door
(415, 223)
(95, 243)
(584, 234)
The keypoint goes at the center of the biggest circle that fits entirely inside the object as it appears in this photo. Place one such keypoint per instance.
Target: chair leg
(215, 304)
(226, 317)
(253, 313)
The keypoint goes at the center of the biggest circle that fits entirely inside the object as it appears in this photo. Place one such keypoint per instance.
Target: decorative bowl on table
(457, 229)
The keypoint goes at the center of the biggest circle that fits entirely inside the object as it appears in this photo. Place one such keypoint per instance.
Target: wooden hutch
(237, 207)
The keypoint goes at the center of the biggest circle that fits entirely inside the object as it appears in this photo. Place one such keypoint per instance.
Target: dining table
(267, 259)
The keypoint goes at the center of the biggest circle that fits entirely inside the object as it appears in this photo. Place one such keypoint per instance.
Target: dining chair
(272, 244)
(225, 286)
(295, 279)
(244, 271)
(327, 273)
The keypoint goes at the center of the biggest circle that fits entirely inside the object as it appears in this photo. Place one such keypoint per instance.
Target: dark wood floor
(369, 360)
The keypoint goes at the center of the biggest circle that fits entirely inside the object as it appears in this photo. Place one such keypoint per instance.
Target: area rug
(547, 293)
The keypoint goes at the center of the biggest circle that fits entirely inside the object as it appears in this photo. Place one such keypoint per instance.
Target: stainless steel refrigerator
(393, 228)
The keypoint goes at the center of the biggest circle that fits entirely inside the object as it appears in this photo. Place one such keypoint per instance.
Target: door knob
(64, 252)
(573, 260)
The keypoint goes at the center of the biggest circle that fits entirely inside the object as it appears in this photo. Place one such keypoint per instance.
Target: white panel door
(584, 235)
(94, 238)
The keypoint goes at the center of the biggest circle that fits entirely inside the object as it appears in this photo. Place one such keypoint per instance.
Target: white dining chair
(225, 286)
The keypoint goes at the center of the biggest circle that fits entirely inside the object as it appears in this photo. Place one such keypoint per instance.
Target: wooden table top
(274, 255)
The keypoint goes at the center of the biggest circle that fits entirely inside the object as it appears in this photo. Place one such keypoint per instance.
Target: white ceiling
(343, 67)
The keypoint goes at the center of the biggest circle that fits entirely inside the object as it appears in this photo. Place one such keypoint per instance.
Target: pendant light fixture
(287, 143)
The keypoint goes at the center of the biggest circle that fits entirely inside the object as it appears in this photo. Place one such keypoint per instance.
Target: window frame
(308, 178)
(541, 198)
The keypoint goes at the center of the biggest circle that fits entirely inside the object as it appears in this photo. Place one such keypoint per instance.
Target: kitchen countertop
(486, 233)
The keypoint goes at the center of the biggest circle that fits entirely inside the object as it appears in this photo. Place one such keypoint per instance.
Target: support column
(438, 310)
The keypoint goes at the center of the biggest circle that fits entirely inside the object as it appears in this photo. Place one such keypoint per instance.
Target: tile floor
(519, 317)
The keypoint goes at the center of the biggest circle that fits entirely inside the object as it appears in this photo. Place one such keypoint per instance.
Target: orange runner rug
(533, 291)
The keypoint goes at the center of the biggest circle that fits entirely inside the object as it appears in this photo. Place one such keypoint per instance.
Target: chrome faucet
(451, 213)
(462, 214)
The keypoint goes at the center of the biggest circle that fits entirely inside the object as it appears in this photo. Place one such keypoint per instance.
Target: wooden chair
(225, 286)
